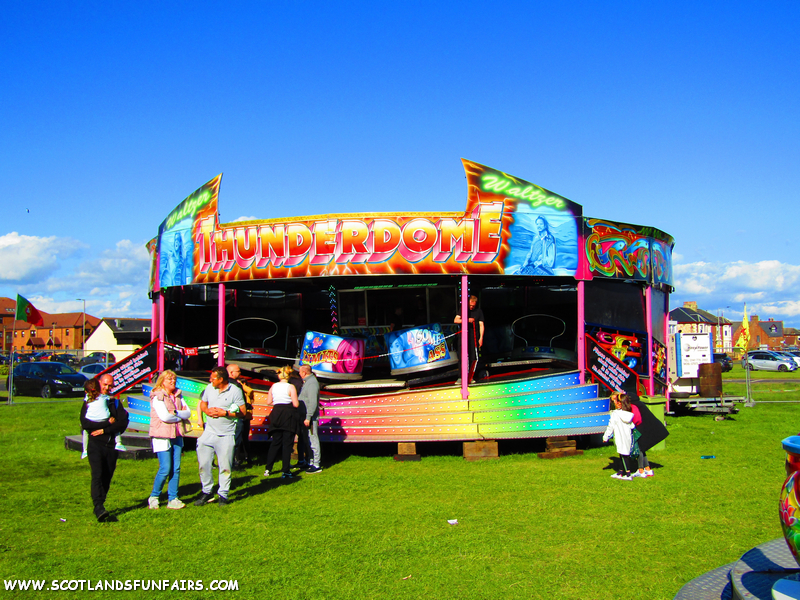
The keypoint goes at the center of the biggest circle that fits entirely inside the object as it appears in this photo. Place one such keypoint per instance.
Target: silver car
(789, 356)
(765, 360)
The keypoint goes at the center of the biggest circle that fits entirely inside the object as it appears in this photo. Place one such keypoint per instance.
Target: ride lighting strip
(562, 395)
(479, 391)
(568, 409)
(590, 423)
(461, 405)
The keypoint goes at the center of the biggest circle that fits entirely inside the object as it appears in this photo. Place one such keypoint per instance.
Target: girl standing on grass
(644, 464)
(620, 427)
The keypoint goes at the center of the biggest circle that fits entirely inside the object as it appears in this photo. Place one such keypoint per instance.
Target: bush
(3, 371)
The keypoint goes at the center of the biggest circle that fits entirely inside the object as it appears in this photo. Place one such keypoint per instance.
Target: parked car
(724, 360)
(67, 359)
(94, 357)
(48, 379)
(789, 356)
(766, 360)
(93, 369)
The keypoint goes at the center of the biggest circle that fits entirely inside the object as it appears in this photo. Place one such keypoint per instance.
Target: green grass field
(370, 527)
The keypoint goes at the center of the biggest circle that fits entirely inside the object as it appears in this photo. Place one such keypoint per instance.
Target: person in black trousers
(101, 450)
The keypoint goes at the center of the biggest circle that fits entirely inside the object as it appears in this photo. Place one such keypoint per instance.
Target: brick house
(690, 319)
(58, 332)
(766, 335)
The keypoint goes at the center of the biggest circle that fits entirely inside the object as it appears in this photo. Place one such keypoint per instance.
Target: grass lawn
(370, 527)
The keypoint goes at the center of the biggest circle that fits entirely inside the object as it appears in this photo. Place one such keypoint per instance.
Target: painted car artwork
(418, 348)
(333, 356)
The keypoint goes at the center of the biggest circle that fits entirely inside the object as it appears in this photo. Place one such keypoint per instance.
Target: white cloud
(770, 288)
(245, 219)
(28, 259)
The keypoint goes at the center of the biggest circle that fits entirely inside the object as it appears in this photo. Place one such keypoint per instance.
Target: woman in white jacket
(167, 410)
(620, 427)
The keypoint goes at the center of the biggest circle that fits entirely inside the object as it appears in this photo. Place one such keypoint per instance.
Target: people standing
(167, 410)
(475, 329)
(222, 403)
(283, 421)
(620, 427)
(241, 436)
(652, 429)
(101, 450)
(309, 399)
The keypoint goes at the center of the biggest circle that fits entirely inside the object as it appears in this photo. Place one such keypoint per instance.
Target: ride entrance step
(137, 445)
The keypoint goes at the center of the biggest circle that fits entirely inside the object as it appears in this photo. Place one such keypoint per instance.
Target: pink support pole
(648, 309)
(221, 326)
(464, 352)
(582, 330)
(161, 331)
(667, 343)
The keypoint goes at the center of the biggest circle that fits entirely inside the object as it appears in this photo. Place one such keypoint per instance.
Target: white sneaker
(175, 504)
(639, 474)
(266, 473)
(152, 503)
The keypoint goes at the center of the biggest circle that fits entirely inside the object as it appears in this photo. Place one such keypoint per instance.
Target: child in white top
(97, 411)
(620, 427)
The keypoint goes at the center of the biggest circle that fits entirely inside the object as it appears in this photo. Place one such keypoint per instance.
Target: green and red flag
(27, 312)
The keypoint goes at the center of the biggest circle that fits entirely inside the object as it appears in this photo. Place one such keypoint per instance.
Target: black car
(48, 379)
(105, 357)
(724, 360)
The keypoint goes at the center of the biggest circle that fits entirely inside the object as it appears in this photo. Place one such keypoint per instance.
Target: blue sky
(683, 116)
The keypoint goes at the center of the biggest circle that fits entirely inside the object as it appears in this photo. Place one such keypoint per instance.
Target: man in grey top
(309, 396)
(221, 404)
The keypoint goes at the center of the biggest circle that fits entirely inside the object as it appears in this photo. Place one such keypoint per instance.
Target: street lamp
(83, 329)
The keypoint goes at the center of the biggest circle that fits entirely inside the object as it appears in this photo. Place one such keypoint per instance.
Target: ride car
(766, 360)
(48, 379)
(724, 360)
(94, 357)
(93, 369)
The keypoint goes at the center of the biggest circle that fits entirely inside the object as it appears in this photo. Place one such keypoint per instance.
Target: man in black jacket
(101, 451)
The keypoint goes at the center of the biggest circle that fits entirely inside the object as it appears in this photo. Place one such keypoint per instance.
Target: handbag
(186, 426)
(635, 434)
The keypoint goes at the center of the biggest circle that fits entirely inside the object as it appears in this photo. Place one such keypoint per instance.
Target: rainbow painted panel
(597, 423)
(551, 382)
(564, 395)
(567, 409)
(523, 386)
(139, 413)
(442, 431)
(402, 409)
(397, 421)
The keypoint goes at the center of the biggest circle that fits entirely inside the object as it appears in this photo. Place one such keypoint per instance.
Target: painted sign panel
(176, 250)
(540, 228)
(628, 251)
(626, 346)
(333, 356)
(608, 370)
(133, 368)
(418, 348)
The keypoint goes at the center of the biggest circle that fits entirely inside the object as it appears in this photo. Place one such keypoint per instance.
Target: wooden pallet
(558, 447)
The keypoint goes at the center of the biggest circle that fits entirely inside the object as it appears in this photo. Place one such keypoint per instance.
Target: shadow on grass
(615, 464)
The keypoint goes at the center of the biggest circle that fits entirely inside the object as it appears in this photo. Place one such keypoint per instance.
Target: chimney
(692, 305)
(754, 319)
